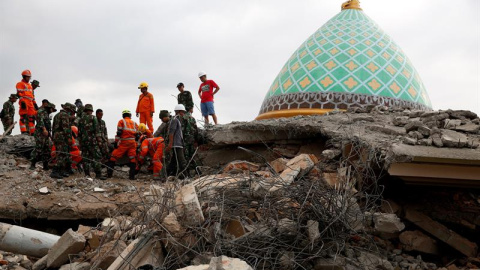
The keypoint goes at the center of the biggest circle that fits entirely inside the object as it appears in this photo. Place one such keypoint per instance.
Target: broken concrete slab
(453, 139)
(279, 165)
(226, 263)
(387, 223)
(187, 206)
(331, 154)
(76, 266)
(468, 128)
(297, 167)
(69, 243)
(452, 123)
(418, 241)
(144, 250)
(40, 264)
(241, 165)
(172, 225)
(108, 253)
(442, 233)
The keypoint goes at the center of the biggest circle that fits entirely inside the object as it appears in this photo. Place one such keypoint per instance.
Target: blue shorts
(207, 109)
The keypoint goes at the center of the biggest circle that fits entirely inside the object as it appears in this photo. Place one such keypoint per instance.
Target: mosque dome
(348, 62)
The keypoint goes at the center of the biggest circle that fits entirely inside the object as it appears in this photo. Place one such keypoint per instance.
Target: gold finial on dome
(351, 4)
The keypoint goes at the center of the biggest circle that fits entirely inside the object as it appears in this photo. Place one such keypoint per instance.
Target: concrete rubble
(322, 192)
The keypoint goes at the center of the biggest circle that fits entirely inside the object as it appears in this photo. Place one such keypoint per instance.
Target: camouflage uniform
(186, 99)
(80, 109)
(62, 138)
(8, 112)
(104, 149)
(190, 135)
(43, 144)
(89, 136)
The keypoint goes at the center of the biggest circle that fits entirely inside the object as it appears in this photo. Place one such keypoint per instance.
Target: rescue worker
(153, 147)
(35, 85)
(75, 153)
(80, 108)
(125, 144)
(144, 132)
(90, 138)
(177, 163)
(42, 135)
(185, 98)
(8, 113)
(104, 149)
(26, 103)
(190, 137)
(207, 90)
(145, 106)
(62, 138)
(162, 130)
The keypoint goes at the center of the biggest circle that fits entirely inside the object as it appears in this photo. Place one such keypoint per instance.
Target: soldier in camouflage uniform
(104, 149)
(90, 138)
(190, 138)
(185, 98)
(43, 132)
(162, 131)
(80, 109)
(8, 112)
(62, 138)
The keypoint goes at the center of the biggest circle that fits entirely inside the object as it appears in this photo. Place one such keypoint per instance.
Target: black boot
(32, 165)
(45, 165)
(110, 165)
(56, 174)
(131, 173)
(98, 174)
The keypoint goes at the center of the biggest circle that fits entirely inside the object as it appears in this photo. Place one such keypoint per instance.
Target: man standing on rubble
(185, 98)
(145, 106)
(177, 163)
(42, 135)
(206, 91)
(62, 138)
(90, 138)
(104, 149)
(125, 144)
(26, 103)
(8, 113)
(190, 136)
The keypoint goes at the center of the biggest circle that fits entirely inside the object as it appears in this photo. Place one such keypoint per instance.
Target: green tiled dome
(348, 62)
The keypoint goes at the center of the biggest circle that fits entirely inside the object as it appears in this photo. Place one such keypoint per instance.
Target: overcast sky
(100, 51)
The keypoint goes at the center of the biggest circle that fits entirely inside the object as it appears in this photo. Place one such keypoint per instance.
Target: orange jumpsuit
(153, 147)
(146, 107)
(126, 141)
(75, 153)
(27, 107)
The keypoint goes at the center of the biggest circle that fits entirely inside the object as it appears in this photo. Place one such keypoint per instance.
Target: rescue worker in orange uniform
(26, 103)
(125, 144)
(153, 147)
(75, 153)
(145, 133)
(145, 106)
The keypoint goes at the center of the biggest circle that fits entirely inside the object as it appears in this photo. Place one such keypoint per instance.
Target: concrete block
(172, 225)
(226, 263)
(418, 241)
(387, 223)
(40, 264)
(313, 230)
(187, 206)
(69, 243)
(452, 138)
(242, 166)
(279, 165)
(108, 253)
(441, 232)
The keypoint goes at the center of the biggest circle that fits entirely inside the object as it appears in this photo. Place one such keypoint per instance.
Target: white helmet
(179, 107)
(201, 73)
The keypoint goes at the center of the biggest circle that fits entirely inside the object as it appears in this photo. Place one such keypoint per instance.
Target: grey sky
(100, 51)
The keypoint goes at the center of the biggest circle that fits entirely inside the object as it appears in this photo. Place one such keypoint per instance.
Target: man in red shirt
(207, 90)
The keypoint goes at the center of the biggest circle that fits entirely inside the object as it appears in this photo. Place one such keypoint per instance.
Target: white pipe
(25, 241)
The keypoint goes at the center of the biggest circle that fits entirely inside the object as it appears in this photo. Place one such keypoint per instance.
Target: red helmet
(75, 130)
(27, 72)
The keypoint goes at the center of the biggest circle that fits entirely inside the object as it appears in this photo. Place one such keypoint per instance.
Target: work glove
(23, 105)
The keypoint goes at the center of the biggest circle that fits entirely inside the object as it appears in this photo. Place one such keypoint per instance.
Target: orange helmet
(75, 130)
(27, 72)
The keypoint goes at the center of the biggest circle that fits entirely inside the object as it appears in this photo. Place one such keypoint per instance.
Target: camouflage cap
(13, 96)
(164, 113)
(70, 107)
(88, 107)
(51, 105)
(35, 82)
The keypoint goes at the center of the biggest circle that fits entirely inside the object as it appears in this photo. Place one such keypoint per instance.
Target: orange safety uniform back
(149, 147)
(129, 129)
(75, 154)
(145, 104)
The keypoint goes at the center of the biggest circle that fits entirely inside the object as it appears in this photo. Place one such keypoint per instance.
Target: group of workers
(78, 139)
